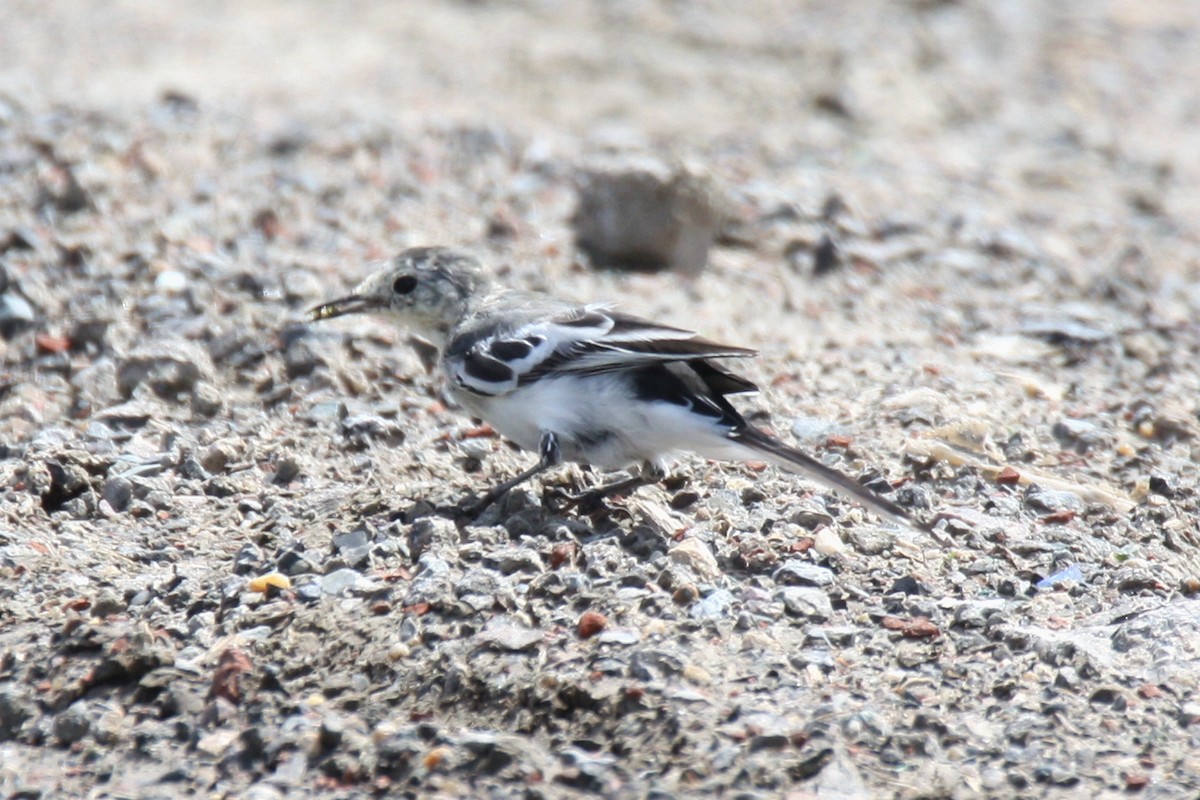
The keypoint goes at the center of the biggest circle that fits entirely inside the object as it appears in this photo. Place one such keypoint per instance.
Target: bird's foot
(469, 509)
(592, 500)
(559, 500)
(549, 457)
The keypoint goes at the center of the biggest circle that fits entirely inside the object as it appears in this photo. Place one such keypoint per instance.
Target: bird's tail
(793, 460)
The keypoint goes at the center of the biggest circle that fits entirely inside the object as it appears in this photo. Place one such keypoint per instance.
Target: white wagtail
(578, 382)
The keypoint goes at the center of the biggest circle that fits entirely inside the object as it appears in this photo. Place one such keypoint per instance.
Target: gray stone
(168, 368)
(301, 358)
(309, 592)
(287, 469)
(361, 430)
(515, 559)
(432, 535)
(795, 572)
(207, 399)
(16, 707)
(263, 790)
(653, 663)
(294, 562)
(619, 636)
(806, 601)
(107, 603)
(16, 314)
(480, 582)
(975, 613)
(72, 724)
(325, 411)
(117, 492)
(716, 605)
(97, 383)
(1051, 501)
(339, 581)
(248, 559)
(869, 540)
(354, 547)
(1082, 434)
(432, 583)
(503, 633)
(1063, 329)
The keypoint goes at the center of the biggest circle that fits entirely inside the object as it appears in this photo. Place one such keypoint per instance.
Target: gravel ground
(963, 236)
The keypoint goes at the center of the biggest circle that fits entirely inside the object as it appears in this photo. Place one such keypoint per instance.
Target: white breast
(598, 421)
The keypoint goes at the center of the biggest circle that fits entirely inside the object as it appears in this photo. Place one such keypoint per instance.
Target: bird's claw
(559, 500)
(470, 509)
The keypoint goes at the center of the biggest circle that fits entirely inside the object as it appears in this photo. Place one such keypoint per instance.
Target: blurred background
(1044, 107)
(1118, 74)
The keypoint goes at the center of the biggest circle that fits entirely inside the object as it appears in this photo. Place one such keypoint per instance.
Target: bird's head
(428, 289)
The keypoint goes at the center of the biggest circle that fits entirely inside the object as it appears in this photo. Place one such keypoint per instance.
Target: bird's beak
(350, 304)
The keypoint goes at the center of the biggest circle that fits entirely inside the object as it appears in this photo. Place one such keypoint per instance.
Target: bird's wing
(579, 340)
(595, 340)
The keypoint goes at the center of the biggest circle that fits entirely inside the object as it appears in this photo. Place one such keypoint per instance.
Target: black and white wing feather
(597, 340)
(496, 356)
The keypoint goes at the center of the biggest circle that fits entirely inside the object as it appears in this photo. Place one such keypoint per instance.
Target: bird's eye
(404, 284)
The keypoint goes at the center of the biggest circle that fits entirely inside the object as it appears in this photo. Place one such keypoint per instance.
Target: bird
(576, 382)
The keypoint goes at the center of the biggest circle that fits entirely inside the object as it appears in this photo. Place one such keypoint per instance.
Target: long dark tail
(793, 460)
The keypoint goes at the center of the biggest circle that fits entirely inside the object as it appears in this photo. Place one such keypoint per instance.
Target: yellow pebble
(264, 582)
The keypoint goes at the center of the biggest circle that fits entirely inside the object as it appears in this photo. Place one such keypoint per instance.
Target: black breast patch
(482, 368)
(510, 349)
(514, 349)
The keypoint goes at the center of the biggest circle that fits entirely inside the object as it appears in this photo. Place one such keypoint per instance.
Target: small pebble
(171, 281)
(697, 675)
(685, 595)
(828, 543)
(716, 605)
(435, 757)
(696, 555)
(276, 580)
(591, 623)
(339, 581)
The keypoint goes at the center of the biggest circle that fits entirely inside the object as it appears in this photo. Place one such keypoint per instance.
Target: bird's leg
(648, 473)
(549, 456)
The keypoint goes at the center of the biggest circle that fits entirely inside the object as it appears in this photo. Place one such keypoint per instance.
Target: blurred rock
(16, 313)
(72, 724)
(806, 601)
(207, 400)
(715, 605)
(1052, 501)
(642, 213)
(695, 555)
(168, 368)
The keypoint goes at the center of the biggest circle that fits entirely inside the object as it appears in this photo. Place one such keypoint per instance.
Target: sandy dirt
(226, 567)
